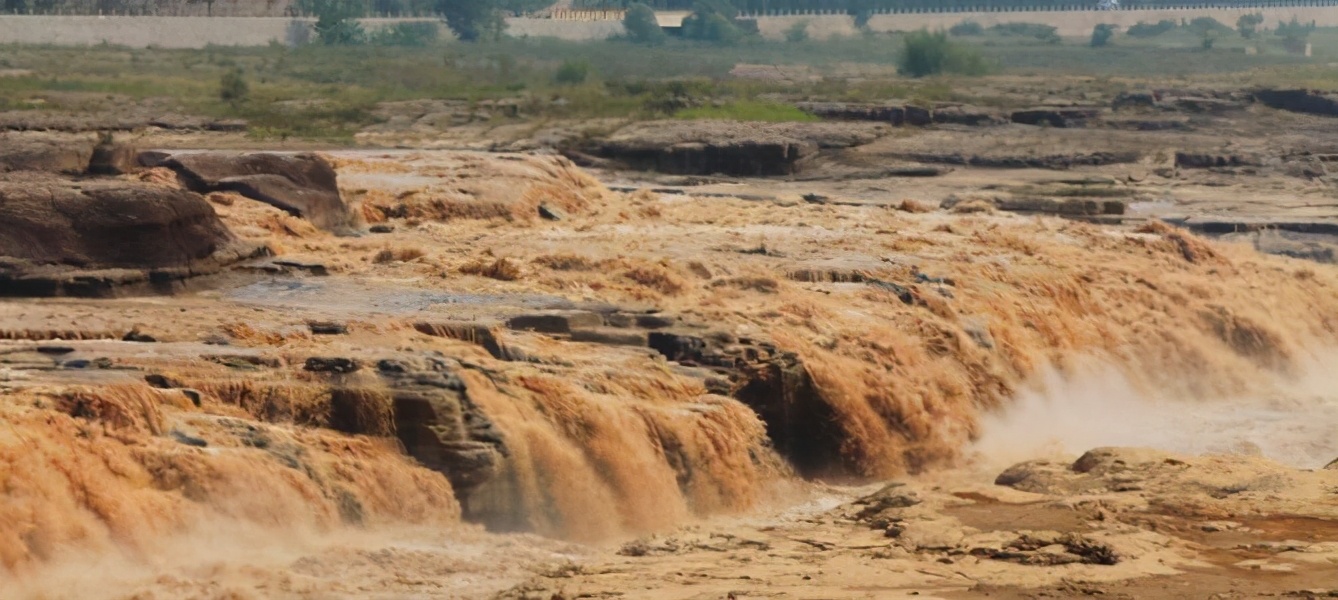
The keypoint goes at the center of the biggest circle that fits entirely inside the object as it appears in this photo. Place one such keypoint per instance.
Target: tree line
(874, 6)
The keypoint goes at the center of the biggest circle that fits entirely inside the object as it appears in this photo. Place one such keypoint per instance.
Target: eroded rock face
(441, 427)
(774, 384)
(1300, 100)
(95, 238)
(1056, 116)
(303, 185)
(729, 148)
(36, 152)
(853, 111)
(966, 115)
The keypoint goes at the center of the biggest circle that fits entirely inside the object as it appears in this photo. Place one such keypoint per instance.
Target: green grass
(329, 93)
(748, 110)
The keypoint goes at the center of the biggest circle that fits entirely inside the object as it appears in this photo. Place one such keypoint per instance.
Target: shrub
(966, 28)
(1102, 33)
(1207, 25)
(711, 27)
(232, 87)
(1249, 24)
(1040, 31)
(572, 72)
(1294, 30)
(641, 26)
(925, 53)
(410, 33)
(797, 33)
(1144, 30)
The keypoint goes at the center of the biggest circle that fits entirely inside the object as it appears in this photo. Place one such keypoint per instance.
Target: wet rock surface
(45, 153)
(96, 238)
(303, 185)
(718, 147)
(732, 334)
(1300, 100)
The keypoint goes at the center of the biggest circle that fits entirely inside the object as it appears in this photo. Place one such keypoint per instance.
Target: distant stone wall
(567, 30)
(163, 32)
(197, 32)
(1069, 23)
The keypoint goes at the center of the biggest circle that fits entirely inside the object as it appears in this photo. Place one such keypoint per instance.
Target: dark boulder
(1300, 100)
(1190, 160)
(730, 148)
(319, 364)
(853, 111)
(775, 385)
(446, 431)
(47, 153)
(555, 321)
(1134, 100)
(918, 115)
(967, 115)
(98, 238)
(110, 158)
(1214, 106)
(1056, 116)
(303, 185)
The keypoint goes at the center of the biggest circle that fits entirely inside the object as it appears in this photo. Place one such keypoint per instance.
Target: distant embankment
(198, 32)
(1069, 22)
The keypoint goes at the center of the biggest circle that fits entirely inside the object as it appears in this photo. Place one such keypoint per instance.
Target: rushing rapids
(518, 346)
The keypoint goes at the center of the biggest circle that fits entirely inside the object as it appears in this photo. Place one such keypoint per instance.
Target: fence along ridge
(594, 14)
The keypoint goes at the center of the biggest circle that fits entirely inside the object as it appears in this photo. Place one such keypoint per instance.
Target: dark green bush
(926, 53)
(1040, 31)
(336, 21)
(409, 33)
(1145, 30)
(641, 26)
(711, 27)
(1249, 24)
(1207, 25)
(797, 33)
(232, 87)
(1294, 29)
(1102, 33)
(572, 72)
(966, 28)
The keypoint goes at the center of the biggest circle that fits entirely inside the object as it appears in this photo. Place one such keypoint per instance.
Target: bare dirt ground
(700, 386)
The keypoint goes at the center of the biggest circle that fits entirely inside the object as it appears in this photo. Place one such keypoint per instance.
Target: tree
(406, 33)
(1247, 25)
(1102, 33)
(860, 12)
(797, 33)
(336, 21)
(642, 27)
(523, 7)
(712, 21)
(473, 20)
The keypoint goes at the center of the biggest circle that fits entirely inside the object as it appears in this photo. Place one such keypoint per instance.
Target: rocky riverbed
(850, 360)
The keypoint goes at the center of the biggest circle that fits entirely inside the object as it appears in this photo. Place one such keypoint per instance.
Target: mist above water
(1098, 406)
